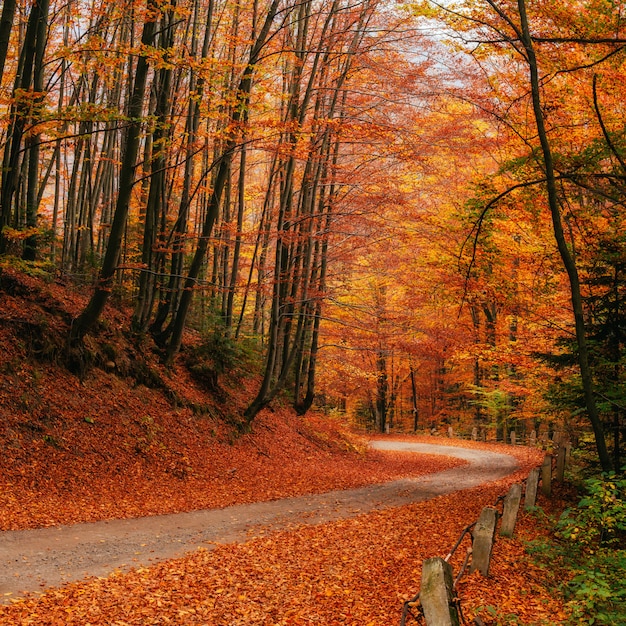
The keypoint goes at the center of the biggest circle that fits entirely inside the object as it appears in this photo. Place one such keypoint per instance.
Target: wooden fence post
(484, 532)
(436, 594)
(511, 507)
(474, 433)
(533, 438)
(546, 475)
(532, 482)
(560, 462)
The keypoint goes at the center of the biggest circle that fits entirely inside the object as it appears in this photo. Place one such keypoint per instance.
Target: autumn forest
(410, 211)
(357, 263)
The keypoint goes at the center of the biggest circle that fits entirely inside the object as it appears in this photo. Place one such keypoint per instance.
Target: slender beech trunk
(281, 349)
(241, 204)
(156, 199)
(273, 378)
(32, 144)
(326, 203)
(414, 397)
(25, 103)
(169, 300)
(567, 258)
(6, 26)
(261, 243)
(239, 117)
(90, 315)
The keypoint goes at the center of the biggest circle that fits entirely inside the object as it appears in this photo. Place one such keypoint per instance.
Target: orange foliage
(356, 571)
(80, 452)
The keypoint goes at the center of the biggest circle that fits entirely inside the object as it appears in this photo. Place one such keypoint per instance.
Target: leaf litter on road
(354, 571)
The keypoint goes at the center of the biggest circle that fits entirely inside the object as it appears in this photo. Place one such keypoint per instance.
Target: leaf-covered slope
(130, 438)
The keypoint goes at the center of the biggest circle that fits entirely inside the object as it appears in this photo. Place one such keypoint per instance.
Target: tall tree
(6, 26)
(25, 113)
(154, 218)
(33, 141)
(90, 315)
(510, 25)
(239, 118)
(292, 278)
(523, 33)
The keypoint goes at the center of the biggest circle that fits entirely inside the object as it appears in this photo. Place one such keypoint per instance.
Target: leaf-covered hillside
(129, 437)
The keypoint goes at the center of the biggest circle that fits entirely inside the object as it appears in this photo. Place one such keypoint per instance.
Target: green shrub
(600, 517)
(218, 354)
(592, 549)
(596, 594)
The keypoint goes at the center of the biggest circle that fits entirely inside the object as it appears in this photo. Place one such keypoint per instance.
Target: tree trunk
(6, 25)
(21, 111)
(241, 201)
(414, 398)
(281, 350)
(170, 299)
(156, 200)
(566, 255)
(32, 193)
(90, 315)
(239, 116)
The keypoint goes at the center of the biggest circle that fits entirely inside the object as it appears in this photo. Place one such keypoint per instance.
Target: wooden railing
(437, 603)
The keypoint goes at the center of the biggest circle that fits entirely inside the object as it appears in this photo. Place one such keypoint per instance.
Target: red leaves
(147, 460)
(77, 452)
(354, 572)
(109, 447)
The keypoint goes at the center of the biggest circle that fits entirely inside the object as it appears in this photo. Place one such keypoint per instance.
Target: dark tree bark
(24, 109)
(234, 272)
(90, 315)
(414, 398)
(169, 300)
(32, 190)
(239, 117)
(6, 26)
(566, 255)
(326, 204)
(282, 349)
(156, 201)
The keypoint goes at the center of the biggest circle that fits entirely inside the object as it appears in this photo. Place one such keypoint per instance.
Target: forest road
(33, 560)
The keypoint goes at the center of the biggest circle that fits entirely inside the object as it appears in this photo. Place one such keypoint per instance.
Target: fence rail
(437, 603)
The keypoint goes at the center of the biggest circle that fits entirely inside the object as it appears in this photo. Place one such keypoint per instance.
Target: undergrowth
(589, 553)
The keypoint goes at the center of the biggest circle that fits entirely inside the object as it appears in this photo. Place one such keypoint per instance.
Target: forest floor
(31, 560)
(127, 439)
(347, 568)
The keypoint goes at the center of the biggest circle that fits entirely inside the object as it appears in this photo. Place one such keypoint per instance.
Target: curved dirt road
(31, 560)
